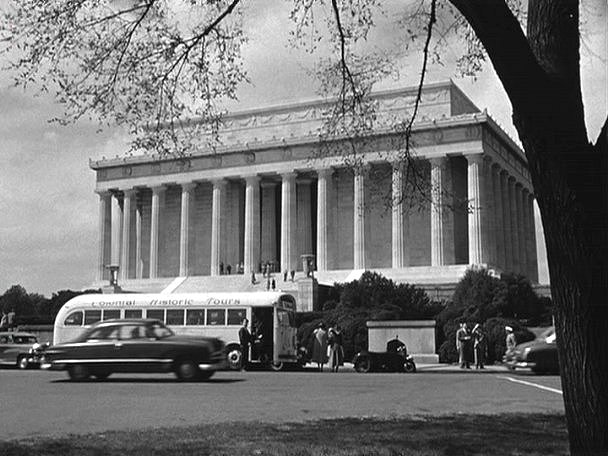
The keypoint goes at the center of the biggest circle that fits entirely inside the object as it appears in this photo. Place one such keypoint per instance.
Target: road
(45, 403)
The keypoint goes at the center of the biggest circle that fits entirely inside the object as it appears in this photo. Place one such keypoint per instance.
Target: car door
(139, 350)
(98, 350)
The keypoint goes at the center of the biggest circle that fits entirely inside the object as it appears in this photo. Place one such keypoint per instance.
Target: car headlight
(527, 350)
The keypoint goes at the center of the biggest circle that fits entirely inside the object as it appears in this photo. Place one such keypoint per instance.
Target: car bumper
(221, 365)
(520, 364)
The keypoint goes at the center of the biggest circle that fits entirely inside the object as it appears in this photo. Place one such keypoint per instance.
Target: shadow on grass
(505, 434)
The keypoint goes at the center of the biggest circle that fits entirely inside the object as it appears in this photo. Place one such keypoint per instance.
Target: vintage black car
(388, 361)
(136, 346)
(19, 349)
(539, 355)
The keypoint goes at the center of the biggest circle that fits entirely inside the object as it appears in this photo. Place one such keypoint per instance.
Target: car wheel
(78, 372)
(276, 366)
(22, 362)
(102, 375)
(363, 364)
(410, 368)
(235, 358)
(186, 370)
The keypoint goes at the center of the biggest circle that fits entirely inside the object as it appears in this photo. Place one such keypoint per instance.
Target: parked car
(136, 346)
(19, 349)
(539, 355)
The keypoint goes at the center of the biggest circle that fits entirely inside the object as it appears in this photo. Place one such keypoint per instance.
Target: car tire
(363, 364)
(78, 372)
(102, 375)
(22, 362)
(409, 368)
(186, 370)
(235, 358)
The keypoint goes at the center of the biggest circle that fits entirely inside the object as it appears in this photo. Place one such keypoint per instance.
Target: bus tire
(78, 372)
(235, 357)
(186, 370)
(277, 366)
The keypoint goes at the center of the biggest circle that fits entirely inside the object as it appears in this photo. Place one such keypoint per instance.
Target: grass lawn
(507, 434)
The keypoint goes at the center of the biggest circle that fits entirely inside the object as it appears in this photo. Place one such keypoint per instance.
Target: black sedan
(539, 355)
(136, 346)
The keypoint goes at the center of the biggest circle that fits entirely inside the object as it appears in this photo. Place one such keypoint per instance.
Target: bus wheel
(276, 366)
(186, 370)
(235, 358)
(78, 372)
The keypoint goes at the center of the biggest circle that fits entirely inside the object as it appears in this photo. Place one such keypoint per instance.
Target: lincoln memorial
(275, 192)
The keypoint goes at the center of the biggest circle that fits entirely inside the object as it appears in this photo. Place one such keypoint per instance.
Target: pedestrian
(268, 283)
(510, 340)
(319, 346)
(252, 278)
(244, 340)
(293, 273)
(228, 269)
(11, 320)
(221, 268)
(479, 346)
(284, 276)
(463, 341)
(273, 285)
(336, 352)
(4, 322)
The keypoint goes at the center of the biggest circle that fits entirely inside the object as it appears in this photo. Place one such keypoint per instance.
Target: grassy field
(508, 434)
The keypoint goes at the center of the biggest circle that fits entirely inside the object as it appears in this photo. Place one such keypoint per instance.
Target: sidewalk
(432, 368)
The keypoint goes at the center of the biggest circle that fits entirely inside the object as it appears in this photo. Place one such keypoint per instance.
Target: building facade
(274, 192)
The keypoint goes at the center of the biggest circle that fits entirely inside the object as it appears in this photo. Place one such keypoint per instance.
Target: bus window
(216, 317)
(175, 317)
(132, 313)
(91, 316)
(195, 317)
(236, 316)
(74, 319)
(109, 314)
(157, 314)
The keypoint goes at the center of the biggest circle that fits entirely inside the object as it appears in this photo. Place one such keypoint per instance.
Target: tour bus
(271, 316)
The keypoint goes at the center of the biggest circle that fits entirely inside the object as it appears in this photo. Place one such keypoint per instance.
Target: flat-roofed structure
(273, 192)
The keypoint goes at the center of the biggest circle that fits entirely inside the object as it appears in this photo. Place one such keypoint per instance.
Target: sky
(48, 208)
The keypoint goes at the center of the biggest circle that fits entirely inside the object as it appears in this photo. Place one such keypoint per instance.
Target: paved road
(45, 403)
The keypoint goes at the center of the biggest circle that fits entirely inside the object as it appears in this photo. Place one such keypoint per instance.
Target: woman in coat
(319, 346)
(336, 352)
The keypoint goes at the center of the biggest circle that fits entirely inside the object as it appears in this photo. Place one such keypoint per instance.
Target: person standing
(319, 346)
(11, 317)
(479, 346)
(336, 352)
(463, 340)
(244, 340)
(510, 340)
(4, 321)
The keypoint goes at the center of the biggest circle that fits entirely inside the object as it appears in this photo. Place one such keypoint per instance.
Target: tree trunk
(540, 74)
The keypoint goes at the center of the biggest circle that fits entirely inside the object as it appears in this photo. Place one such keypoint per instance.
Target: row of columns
(500, 210)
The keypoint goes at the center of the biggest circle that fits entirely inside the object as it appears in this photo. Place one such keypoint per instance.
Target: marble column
(359, 219)
(288, 222)
(533, 260)
(498, 232)
(398, 215)
(158, 194)
(252, 225)
(526, 229)
(475, 184)
(506, 221)
(116, 230)
(487, 213)
(269, 222)
(125, 251)
(521, 232)
(184, 228)
(323, 195)
(139, 262)
(217, 215)
(516, 264)
(304, 218)
(104, 234)
(442, 221)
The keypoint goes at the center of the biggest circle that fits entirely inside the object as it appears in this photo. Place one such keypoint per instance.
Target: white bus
(272, 316)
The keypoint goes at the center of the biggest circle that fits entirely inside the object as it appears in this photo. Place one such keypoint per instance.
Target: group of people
(471, 346)
(327, 347)
(8, 321)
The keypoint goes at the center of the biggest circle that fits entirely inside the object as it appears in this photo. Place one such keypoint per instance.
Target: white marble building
(268, 195)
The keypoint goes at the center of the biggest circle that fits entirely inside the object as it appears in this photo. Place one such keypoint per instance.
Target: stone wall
(418, 336)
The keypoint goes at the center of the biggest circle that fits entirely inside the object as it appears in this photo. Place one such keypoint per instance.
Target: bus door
(263, 334)
(284, 336)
